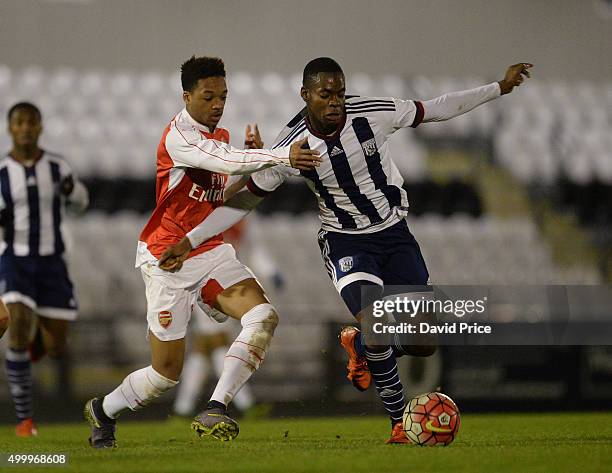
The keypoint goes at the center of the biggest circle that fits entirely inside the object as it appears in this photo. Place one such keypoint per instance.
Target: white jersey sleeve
(411, 113)
(269, 180)
(408, 113)
(390, 113)
(188, 148)
(453, 104)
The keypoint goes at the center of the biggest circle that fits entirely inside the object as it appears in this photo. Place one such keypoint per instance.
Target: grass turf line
(486, 443)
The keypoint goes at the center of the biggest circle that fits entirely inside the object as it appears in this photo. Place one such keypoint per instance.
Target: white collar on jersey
(185, 114)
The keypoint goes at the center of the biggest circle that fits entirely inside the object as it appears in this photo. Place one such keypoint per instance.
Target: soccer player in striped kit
(364, 240)
(35, 186)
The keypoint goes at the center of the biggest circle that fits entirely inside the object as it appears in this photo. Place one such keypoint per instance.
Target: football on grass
(431, 419)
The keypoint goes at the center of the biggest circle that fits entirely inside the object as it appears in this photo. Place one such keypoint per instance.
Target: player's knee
(4, 315)
(271, 320)
(4, 322)
(170, 369)
(262, 316)
(258, 325)
(20, 323)
(264, 320)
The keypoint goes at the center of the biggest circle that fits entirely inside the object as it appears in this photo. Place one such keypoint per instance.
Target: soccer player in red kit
(195, 165)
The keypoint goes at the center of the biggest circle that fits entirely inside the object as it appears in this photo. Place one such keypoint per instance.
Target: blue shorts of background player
(39, 282)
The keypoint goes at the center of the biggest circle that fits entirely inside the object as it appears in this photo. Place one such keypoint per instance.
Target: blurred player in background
(34, 186)
(194, 161)
(365, 242)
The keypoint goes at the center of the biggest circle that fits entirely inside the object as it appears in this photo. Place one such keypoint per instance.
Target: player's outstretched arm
(454, 104)
(188, 148)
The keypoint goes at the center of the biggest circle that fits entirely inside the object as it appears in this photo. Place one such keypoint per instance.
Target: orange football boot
(397, 434)
(26, 428)
(358, 371)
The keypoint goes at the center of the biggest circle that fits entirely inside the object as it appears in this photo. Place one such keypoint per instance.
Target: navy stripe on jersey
(285, 141)
(344, 218)
(7, 217)
(57, 209)
(361, 112)
(372, 101)
(34, 210)
(367, 106)
(346, 181)
(365, 135)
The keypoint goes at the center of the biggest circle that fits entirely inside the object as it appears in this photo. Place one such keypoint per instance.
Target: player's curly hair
(320, 64)
(196, 68)
(30, 107)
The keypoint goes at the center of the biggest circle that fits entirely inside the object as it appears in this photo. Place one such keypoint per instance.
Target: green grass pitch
(548, 443)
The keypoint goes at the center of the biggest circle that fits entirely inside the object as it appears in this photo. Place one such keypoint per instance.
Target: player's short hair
(30, 107)
(196, 68)
(320, 64)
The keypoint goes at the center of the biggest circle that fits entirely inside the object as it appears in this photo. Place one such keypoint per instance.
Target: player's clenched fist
(515, 75)
(302, 157)
(173, 258)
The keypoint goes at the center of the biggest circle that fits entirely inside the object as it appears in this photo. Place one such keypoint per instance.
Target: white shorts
(171, 297)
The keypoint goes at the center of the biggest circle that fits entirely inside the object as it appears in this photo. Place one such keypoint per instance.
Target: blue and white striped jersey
(358, 187)
(31, 205)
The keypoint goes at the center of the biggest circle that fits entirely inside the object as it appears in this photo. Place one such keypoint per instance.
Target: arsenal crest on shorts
(345, 263)
(165, 318)
(369, 147)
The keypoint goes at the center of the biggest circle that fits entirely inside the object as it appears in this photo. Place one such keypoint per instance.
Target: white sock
(136, 391)
(195, 372)
(243, 399)
(247, 352)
